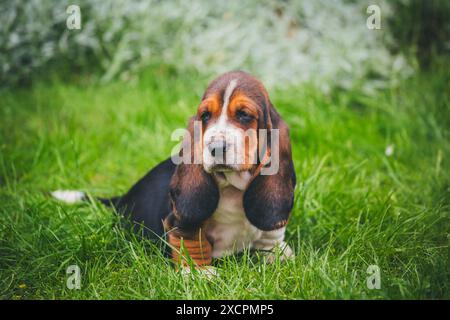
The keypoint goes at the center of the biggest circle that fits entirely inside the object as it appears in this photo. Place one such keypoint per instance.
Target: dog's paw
(207, 272)
(282, 251)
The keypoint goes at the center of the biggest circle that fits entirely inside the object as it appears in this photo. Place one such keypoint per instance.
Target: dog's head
(233, 108)
(235, 124)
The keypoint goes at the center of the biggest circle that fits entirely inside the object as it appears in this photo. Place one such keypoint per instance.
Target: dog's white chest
(228, 229)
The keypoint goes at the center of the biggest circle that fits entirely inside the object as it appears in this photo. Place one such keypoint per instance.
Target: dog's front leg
(193, 198)
(188, 247)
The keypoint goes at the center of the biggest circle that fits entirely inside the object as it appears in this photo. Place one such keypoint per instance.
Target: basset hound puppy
(231, 186)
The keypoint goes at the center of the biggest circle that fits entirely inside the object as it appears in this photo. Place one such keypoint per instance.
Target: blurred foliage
(421, 26)
(282, 42)
(34, 35)
(326, 42)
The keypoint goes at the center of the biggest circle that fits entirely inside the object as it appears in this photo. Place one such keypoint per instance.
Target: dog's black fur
(147, 203)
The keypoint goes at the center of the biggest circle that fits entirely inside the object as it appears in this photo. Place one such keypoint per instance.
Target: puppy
(231, 186)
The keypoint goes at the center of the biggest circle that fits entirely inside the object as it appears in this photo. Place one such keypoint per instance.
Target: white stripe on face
(226, 98)
(224, 131)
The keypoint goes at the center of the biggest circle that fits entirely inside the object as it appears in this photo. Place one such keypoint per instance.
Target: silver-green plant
(283, 42)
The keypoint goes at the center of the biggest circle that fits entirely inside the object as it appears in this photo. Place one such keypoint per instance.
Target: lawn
(373, 189)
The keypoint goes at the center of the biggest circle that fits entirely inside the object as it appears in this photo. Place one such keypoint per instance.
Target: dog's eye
(206, 115)
(243, 116)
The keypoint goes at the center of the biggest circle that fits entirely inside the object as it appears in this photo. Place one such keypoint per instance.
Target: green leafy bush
(283, 42)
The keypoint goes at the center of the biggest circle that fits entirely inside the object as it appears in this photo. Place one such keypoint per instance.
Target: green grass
(354, 205)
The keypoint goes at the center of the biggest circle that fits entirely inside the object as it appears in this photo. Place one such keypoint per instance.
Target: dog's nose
(218, 148)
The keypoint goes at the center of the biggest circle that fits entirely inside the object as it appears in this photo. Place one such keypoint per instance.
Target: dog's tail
(75, 196)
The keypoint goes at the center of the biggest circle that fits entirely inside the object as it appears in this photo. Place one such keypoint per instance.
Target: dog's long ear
(193, 192)
(268, 199)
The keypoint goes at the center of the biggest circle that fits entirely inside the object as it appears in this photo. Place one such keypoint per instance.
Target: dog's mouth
(222, 168)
